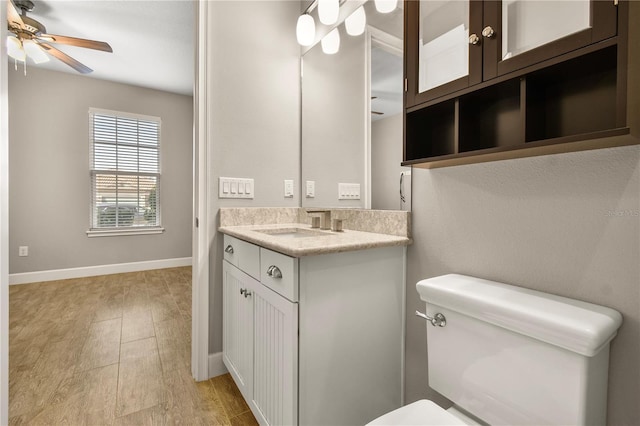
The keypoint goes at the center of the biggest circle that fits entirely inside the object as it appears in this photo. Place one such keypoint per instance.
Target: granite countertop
(314, 242)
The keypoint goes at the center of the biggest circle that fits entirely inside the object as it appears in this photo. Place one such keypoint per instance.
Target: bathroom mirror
(352, 119)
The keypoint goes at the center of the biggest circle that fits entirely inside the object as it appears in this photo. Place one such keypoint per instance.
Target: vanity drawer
(279, 273)
(245, 256)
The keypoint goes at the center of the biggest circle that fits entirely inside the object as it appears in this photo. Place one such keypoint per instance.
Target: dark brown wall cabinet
(489, 80)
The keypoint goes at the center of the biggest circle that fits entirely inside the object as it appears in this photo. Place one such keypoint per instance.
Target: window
(125, 173)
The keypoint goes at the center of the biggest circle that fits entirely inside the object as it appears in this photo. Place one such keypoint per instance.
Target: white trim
(366, 195)
(216, 365)
(92, 271)
(386, 41)
(124, 114)
(92, 233)
(4, 222)
(201, 239)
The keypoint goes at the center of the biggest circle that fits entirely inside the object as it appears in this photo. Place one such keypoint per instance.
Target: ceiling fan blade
(79, 42)
(81, 68)
(13, 17)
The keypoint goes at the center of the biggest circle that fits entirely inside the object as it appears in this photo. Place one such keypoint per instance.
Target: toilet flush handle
(437, 321)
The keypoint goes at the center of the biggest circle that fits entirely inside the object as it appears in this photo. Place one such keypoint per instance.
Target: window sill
(119, 232)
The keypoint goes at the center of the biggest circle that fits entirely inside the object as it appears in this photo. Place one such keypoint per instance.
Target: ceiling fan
(30, 38)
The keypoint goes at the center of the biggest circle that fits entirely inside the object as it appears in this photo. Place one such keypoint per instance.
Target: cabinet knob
(274, 272)
(229, 249)
(488, 32)
(474, 39)
(243, 290)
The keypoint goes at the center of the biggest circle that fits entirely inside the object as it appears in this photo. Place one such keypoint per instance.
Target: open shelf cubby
(432, 131)
(491, 118)
(574, 97)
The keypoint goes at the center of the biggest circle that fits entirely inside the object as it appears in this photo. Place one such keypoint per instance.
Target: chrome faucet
(325, 217)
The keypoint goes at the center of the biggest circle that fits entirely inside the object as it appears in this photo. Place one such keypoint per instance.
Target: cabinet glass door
(529, 24)
(443, 46)
(519, 33)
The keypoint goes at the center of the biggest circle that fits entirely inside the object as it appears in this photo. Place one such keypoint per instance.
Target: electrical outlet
(23, 251)
(288, 188)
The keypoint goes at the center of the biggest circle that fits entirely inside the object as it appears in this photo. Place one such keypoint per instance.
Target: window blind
(125, 170)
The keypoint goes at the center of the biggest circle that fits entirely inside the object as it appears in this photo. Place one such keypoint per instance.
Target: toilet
(507, 355)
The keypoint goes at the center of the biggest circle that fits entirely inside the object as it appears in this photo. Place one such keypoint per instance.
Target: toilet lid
(423, 412)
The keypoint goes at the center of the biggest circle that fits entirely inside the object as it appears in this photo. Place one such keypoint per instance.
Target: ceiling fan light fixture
(328, 11)
(305, 30)
(331, 42)
(386, 6)
(35, 52)
(15, 49)
(356, 22)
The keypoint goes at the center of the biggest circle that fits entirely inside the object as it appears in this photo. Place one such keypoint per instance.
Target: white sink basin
(292, 232)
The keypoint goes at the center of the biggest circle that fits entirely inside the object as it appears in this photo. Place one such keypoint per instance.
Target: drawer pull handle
(245, 292)
(229, 249)
(274, 272)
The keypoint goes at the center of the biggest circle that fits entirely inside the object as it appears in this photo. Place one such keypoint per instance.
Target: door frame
(4, 222)
(201, 205)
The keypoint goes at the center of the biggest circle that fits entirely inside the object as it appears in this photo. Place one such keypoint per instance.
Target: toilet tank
(513, 356)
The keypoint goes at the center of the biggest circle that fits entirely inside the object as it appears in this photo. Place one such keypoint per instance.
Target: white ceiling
(153, 40)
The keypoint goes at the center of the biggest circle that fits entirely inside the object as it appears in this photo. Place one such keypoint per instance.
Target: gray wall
(49, 171)
(386, 156)
(334, 120)
(565, 224)
(254, 114)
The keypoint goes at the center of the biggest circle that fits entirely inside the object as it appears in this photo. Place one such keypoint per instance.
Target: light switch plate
(311, 189)
(235, 187)
(348, 191)
(288, 188)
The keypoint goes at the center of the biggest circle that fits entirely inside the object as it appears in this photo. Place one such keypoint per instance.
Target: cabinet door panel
(276, 358)
(528, 32)
(439, 57)
(238, 326)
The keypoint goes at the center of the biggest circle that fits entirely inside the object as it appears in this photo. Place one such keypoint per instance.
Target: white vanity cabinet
(317, 340)
(260, 334)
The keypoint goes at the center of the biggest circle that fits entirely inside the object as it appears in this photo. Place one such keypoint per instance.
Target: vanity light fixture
(356, 22)
(328, 11)
(331, 42)
(386, 6)
(306, 30)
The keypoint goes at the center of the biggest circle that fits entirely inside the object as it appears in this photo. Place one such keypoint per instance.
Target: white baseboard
(216, 365)
(92, 271)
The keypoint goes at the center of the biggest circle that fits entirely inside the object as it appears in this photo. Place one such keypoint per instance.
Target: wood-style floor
(111, 350)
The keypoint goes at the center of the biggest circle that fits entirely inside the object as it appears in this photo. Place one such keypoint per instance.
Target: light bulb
(14, 49)
(306, 30)
(386, 6)
(328, 11)
(331, 42)
(35, 52)
(356, 22)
